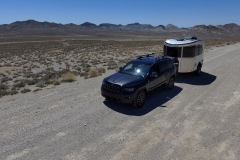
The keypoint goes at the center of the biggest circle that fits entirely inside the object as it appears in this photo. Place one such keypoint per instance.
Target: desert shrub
(102, 70)
(25, 90)
(3, 87)
(68, 77)
(75, 73)
(2, 74)
(112, 65)
(49, 75)
(27, 75)
(35, 66)
(7, 92)
(78, 69)
(40, 84)
(86, 69)
(8, 65)
(32, 82)
(12, 92)
(55, 83)
(85, 65)
(3, 93)
(93, 73)
(16, 74)
(60, 73)
(50, 69)
(8, 72)
(16, 81)
(20, 84)
(49, 82)
(83, 74)
(36, 89)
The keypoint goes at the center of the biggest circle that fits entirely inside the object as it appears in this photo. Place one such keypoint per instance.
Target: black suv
(133, 81)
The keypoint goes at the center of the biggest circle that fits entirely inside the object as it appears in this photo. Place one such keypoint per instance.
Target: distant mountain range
(35, 28)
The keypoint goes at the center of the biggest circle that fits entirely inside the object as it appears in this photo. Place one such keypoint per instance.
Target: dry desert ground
(198, 119)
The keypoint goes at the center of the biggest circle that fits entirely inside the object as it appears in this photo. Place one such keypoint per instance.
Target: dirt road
(198, 119)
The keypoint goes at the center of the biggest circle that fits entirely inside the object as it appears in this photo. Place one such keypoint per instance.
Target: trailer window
(172, 51)
(199, 50)
(189, 51)
(164, 50)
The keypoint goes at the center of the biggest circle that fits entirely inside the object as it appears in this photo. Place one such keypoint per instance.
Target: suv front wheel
(140, 99)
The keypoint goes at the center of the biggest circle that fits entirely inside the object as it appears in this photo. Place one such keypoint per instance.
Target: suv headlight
(128, 89)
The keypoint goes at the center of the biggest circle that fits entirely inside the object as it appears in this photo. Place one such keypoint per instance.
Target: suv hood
(123, 79)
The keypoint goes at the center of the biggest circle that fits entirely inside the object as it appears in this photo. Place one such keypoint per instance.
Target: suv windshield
(136, 69)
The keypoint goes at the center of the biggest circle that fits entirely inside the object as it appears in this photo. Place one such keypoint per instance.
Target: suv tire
(170, 83)
(140, 99)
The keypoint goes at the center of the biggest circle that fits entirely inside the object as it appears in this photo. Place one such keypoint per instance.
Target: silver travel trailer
(187, 52)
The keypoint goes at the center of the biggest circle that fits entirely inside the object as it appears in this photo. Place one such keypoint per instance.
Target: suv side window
(163, 66)
(169, 64)
(155, 68)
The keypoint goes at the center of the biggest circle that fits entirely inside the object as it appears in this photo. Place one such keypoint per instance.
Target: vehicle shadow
(156, 98)
(202, 79)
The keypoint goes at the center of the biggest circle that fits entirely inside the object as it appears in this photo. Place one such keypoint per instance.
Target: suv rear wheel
(170, 83)
(140, 99)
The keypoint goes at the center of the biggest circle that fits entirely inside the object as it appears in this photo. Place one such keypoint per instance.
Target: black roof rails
(147, 55)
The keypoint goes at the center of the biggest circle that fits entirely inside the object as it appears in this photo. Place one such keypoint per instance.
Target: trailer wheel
(199, 69)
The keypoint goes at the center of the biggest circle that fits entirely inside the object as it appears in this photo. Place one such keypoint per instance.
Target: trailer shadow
(155, 99)
(202, 79)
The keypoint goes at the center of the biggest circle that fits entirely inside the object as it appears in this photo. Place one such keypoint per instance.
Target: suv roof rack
(147, 55)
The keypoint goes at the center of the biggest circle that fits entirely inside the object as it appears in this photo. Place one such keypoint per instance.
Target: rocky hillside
(35, 27)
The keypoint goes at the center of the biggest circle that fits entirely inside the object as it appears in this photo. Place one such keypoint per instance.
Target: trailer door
(187, 62)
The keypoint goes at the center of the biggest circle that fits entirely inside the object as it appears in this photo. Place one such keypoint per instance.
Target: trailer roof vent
(190, 38)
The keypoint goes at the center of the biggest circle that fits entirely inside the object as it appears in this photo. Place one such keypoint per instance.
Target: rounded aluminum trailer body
(188, 52)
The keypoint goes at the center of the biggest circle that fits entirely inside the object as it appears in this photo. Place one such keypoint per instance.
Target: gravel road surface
(198, 119)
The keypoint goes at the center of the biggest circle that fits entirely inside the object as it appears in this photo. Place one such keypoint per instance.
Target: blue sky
(183, 13)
